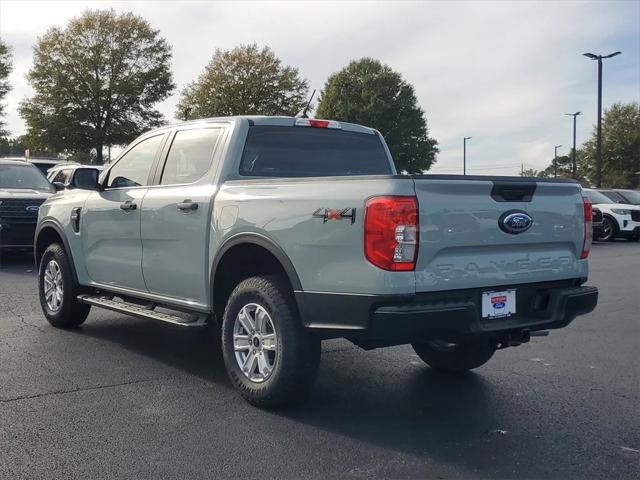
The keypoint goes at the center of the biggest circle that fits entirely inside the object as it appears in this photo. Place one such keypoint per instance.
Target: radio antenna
(303, 113)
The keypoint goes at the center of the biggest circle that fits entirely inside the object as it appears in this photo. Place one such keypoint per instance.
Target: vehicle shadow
(18, 261)
(416, 411)
(457, 419)
(195, 351)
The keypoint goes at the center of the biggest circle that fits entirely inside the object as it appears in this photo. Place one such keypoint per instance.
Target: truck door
(176, 215)
(111, 218)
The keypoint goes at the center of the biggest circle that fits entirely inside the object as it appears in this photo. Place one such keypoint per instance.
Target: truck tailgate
(463, 246)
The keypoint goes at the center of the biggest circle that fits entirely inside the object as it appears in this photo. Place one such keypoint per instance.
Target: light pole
(599, 139)
(555, 161)
(464, 155)
(345, 99)
(573, 155)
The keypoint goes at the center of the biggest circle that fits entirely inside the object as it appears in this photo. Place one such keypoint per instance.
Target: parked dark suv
(23, 188)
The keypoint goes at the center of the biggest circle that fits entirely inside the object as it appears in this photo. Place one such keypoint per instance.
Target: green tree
(96, 83)
(532, 172)
(562, 167)
(620, 147)
(6, 66)
(370, 93)
(244, 81)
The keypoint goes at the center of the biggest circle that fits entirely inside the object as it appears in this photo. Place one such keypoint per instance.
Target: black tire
(609, 230)
(70, 313)
(456, 357)
(297, 352)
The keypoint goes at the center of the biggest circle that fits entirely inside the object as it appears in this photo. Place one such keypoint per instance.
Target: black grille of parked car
(635, 215)
(20, 208)
(597, 216)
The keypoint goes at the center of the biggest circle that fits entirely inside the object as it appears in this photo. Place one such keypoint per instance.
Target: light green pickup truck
(286, 231)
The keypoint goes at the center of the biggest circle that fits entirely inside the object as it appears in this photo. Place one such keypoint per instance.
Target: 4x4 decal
(327, 214)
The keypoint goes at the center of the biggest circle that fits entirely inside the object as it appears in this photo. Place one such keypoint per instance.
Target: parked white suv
(619, 219)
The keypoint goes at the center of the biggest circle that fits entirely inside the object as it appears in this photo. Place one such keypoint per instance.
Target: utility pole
(599, 139)
(555, 161)
(573, 155)
(464, 155)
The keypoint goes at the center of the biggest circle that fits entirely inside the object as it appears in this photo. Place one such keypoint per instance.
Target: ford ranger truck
(282, 232)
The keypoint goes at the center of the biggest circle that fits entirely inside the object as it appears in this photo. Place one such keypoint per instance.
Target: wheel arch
(616, 224)
(244, 255)
(49, 232)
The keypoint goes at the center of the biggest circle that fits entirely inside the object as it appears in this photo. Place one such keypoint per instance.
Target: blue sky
(503, 73)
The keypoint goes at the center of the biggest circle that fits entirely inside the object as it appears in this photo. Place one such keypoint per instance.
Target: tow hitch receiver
(513, 339)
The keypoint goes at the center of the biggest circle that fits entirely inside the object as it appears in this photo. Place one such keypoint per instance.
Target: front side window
(62, 176)
(632, 196)
(190, 155)
(133, 169)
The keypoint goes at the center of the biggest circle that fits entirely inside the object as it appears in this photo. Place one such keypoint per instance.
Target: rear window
(272, 151)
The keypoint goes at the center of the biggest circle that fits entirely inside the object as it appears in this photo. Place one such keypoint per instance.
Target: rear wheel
(58, 291)
(270, 358)
(608, 231)
(454, 357)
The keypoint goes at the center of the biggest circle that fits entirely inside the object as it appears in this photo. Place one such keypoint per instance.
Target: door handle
(187, 205)
(128, 206)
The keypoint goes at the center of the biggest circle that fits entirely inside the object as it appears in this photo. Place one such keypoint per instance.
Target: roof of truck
(274, 120)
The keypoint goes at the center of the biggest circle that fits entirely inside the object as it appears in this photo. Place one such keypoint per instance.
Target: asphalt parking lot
(129, 398)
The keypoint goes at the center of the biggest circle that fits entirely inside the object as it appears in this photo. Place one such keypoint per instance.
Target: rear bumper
(446, 315)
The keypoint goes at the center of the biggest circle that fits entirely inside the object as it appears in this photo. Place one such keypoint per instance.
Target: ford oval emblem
(515, 221)
(32, 209)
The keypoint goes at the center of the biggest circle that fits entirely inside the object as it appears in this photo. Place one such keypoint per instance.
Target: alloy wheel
(255, 342)
(53, 286)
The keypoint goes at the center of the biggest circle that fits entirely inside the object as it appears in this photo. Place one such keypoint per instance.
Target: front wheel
(454, 357)
(270, 358)
(608, 231)
(58, 291)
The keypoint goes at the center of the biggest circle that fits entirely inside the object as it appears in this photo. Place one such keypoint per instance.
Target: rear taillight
(588, 227)
(391, 232)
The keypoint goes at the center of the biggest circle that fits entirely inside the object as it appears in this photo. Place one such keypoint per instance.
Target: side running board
(142, 311)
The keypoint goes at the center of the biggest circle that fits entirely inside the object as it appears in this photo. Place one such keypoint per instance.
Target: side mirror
(58, 186)
(85, 179)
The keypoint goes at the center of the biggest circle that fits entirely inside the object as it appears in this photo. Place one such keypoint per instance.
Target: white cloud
(503, 73)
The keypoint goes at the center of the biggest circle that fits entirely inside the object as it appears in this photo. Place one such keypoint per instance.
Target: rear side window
(273, 151)
(615, 196)
(597, 197)
(190, 155)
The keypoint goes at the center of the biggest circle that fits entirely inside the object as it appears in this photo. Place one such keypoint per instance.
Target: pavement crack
(74, 390)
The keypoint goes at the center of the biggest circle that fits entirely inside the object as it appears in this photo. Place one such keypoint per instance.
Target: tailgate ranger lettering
(524, 264)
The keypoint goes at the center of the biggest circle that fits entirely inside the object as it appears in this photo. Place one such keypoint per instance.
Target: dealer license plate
(498, 304)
